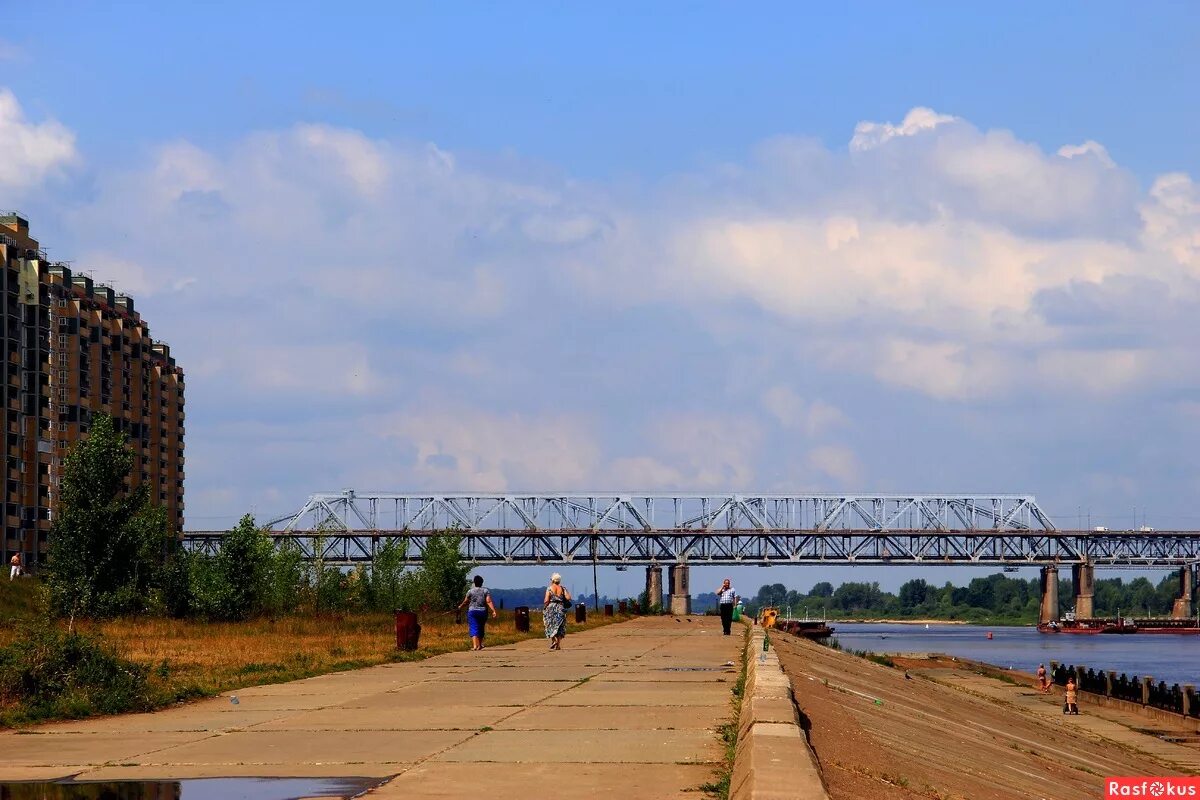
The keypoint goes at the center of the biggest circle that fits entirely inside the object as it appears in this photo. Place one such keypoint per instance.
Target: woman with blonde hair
(554, 611)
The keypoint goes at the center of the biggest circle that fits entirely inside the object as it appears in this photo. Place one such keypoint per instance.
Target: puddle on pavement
(198, 789)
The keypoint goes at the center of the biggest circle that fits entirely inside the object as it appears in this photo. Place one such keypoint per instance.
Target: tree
(107, 541)
(822, 589)
(444, 575)
(912, 593)
(387, 567)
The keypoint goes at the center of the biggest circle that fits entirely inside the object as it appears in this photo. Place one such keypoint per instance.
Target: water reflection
(200, 789)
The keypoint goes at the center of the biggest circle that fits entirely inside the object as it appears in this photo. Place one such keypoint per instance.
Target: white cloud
(869, 135)
(464, 448)
(10, 51)
(32, 151)
(813, 418)
(1087, 149)
(836, 462)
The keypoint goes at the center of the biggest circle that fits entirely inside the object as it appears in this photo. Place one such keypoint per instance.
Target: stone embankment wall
(773, 759)
(1175, 702)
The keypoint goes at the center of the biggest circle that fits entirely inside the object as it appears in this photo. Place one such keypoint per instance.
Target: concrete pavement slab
(408, 718)
(589, 746)
(522, 672)
(610, 718)
(291, 747)
(659, 693)
(74, 749)
(492, 693)
(442, 781)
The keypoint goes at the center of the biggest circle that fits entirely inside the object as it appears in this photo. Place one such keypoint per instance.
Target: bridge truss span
(596, 513)
(750, 529)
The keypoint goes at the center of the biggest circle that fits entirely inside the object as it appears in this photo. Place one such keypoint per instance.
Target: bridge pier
(654, 595)
(1183, 603)
(1083, 581)
(1049, 609)
(681, 598)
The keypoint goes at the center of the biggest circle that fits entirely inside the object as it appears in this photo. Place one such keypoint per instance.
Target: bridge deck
(627, 710)
(998, 548)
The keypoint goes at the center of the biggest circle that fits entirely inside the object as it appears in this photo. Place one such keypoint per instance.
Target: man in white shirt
(727, 597)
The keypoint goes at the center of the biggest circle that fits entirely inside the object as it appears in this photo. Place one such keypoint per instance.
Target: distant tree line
(993, 596)
(112, 553)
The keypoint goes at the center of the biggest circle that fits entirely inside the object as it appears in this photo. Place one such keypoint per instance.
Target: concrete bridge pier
(1183, 603)
(654, 596)
(681, 598)
(1083, 580)
(1049, 610)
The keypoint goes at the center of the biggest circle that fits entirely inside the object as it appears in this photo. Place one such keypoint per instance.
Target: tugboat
(1090, 625)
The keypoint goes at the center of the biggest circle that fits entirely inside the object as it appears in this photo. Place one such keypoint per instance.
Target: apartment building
(73, 349)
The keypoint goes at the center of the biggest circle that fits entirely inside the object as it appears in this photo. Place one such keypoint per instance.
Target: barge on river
(1120, 625)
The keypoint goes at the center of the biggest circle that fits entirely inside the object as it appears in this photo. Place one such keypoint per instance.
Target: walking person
(478, 602)
(14, 566)
(1072, 704)
(1043, 683)
(554, 611)
(727, 597)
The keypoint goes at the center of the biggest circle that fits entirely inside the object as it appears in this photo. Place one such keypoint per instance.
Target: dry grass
(194, 659)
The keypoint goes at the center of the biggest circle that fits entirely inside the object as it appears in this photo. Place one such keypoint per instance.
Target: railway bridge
(680, 530)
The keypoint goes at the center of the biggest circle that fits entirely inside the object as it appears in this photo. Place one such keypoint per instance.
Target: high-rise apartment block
(73, 349)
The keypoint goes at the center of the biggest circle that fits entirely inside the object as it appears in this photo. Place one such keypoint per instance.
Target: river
(1174, 659)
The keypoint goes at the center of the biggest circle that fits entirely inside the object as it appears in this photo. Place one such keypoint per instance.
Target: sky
(853, 247)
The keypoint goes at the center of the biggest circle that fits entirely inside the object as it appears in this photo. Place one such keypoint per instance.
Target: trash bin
(521, 618)
(622, 607)
(608, 609)
(580, 613)
(408, 630)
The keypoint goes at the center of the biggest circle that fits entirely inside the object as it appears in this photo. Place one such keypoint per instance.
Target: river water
(1174, 659)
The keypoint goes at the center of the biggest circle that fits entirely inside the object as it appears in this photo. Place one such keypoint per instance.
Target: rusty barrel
(580, 613)
(521, 618)
(623, 607)
(637, 607)
(608, 609)
(408, 630)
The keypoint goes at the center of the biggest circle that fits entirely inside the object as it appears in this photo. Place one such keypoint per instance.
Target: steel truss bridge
(750, 529)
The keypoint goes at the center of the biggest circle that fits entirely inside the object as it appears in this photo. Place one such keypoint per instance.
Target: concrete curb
(773, 759)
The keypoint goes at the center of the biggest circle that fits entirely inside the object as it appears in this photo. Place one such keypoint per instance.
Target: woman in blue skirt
(478, 602)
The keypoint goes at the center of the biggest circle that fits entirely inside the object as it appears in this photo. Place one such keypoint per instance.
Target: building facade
(73, 349)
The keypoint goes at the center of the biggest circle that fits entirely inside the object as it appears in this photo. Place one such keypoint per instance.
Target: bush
(53, 673)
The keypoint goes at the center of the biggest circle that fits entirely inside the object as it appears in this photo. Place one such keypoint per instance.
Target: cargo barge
(1121, 625)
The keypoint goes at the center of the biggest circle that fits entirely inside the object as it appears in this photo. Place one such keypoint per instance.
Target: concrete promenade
(630, 709)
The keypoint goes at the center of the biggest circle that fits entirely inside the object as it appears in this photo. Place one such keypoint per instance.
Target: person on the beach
(554, 611)
(1071, 706)
(727, 596)
(1043, 684)
(478, 602)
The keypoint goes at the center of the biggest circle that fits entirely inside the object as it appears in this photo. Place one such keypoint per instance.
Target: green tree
(107, 541)
(387, 567)
(441, 581)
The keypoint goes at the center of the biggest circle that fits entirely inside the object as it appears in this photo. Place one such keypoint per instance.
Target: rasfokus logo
(1151, 787)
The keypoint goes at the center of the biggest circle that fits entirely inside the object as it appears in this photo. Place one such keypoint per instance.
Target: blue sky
(856, 247)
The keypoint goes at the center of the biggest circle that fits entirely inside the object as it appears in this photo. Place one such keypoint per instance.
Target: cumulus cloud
(719, 329)
(812, 417)
(32, 151)
(869, 135)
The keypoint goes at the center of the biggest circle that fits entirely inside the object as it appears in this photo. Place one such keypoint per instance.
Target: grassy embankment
(189, 659)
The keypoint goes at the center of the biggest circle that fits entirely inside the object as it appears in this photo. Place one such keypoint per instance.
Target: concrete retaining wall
(773, 760)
